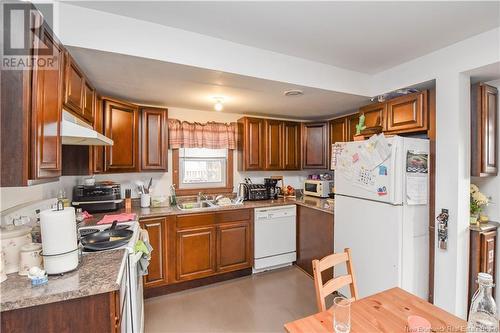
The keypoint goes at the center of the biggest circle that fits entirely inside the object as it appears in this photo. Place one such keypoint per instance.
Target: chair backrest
(328, 262)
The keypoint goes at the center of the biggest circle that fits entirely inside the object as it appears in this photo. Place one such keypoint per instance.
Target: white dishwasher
(275, 237)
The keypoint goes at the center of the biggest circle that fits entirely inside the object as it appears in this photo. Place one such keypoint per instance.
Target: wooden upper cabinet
(338, 130)
(315, 143)
(79, 95)
(291, 145)
(121, 124)
(154, 139)
(273, 144)
(352, 121)
(234, 246)
(73, 87)
(88, 102)
(98, 151)
(195, 253)
(251, 144)
(46, 111)
(375, 115)
(484, 130)
(408, 113)
(157, 269)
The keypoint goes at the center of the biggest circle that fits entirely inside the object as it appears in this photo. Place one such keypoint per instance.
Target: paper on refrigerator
(375, 151)
(417, 192)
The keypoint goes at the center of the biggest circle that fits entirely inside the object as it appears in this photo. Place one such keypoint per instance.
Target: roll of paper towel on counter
(59, 241)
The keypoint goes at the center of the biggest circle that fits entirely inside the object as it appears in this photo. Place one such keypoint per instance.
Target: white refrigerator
(381, 212)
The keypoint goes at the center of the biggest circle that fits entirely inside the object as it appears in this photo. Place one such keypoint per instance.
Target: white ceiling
(154, 82)
(367, 37)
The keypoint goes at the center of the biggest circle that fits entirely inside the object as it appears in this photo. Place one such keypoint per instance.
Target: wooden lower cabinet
(97, 313)
(314, 238)
(190, 248)
(482, 255)
(157, 269)
(195, 253)
(234, 246)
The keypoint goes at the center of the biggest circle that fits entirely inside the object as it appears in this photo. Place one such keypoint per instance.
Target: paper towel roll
(58, 228)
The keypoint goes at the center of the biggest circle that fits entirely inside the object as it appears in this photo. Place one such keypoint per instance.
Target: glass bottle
(483, 310)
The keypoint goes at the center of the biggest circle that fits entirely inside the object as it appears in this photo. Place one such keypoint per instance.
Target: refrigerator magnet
(382, 191)
(355, 157)
(382, 170)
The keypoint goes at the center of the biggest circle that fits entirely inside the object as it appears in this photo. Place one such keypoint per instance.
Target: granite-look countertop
(98, 273)
(307, 201)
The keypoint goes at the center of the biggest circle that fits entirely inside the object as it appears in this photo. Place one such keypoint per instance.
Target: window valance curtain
(183, 134)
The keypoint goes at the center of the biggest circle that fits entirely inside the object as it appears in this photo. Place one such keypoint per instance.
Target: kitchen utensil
(149, 185)
(59, 240)
(145, 200)
(12, 239)
(29, 257)
(104, 240)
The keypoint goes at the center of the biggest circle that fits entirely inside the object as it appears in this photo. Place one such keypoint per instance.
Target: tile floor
(258, 303)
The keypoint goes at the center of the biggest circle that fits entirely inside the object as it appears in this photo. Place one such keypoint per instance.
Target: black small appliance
(272, 190)
(100, 197)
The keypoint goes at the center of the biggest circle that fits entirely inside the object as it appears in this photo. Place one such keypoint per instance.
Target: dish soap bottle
(483, 310)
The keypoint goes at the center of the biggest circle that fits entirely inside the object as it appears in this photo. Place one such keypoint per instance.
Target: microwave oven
(317, 188)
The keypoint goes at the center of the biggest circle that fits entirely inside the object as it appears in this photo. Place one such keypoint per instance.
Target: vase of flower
(477, 202)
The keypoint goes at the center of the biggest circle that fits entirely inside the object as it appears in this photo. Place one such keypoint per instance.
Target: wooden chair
(328, 262)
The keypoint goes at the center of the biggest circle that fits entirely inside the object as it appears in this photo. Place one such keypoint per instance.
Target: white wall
(119, 34)
(13, 196)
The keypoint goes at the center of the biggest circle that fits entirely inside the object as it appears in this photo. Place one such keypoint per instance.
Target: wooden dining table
(386, 311)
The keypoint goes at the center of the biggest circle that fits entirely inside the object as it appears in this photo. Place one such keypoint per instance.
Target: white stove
(133, 225)
(131, 288)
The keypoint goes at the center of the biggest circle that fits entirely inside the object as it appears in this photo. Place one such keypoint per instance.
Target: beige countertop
(98, 273)
(306, 201)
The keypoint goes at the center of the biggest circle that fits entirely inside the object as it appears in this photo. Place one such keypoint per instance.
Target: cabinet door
(195, 257)
(157, 269)
(47, 110)
(273, 147)
(485, 132)
(338, 130)
(98, 151)
(291, 146)
(315, 145)
(314, 238)
(88, 102)
(352, 121)
(74, 86)
(488, 252)
(253, 154)
(234, 246)
(154, 139)
(121, 124)
(375, 115)
(407, 113)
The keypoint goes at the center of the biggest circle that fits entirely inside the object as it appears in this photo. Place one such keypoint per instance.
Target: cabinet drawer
(232, 216)
(195, 220)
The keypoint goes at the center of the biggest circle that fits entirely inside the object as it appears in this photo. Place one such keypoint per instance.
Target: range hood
(75, 131)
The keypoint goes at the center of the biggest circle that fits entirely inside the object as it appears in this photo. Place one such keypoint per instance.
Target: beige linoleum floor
(259, 303)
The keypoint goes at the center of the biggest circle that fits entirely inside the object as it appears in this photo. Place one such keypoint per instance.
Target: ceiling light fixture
(219, 103)
(293, 92)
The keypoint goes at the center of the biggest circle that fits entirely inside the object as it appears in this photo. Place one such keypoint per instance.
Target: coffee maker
(272, 190)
